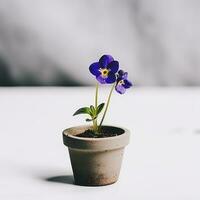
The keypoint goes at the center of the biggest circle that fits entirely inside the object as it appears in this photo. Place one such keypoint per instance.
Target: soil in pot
(105, 132)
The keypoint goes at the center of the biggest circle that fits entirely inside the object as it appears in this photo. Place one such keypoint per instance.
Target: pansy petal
(127, 84)
(119, 79)
(101, 79)
(125, 75)
(120, 73)
(105, 60)
(113, 66)
(120, 89)
(94, 69)
(111, 78)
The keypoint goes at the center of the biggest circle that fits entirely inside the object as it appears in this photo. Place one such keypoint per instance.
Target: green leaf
(84, 110)
(100, 107)
(89, 120)
(92, 109)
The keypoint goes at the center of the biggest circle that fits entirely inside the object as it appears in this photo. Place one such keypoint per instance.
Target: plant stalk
(95, 124)
(107, 104)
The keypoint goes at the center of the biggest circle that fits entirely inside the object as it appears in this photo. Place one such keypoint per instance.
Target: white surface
(161, 162)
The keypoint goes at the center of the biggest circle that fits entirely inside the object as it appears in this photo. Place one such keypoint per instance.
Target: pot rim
(126, 131)
(95, 144)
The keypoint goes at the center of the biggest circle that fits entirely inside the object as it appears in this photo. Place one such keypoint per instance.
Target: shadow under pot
(96, 161)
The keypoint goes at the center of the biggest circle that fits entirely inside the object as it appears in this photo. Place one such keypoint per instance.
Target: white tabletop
(162, 160)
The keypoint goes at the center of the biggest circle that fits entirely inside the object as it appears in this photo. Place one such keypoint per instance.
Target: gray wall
(52, 42)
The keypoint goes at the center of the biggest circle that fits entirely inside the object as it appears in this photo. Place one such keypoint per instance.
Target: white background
(157, 42)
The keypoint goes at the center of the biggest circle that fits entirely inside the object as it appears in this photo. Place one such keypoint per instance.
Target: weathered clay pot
(95, 161)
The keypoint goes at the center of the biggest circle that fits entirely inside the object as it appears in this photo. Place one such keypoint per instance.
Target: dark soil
(105, 132)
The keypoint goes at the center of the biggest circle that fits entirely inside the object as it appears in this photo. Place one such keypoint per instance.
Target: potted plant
(96, 151)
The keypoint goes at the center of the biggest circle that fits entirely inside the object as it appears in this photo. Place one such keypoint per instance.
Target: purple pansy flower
(122, 82)
(105, 70)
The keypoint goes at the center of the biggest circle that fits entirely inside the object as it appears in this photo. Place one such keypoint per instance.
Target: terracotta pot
(95, 161)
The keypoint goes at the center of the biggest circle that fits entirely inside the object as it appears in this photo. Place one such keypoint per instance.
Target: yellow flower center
(121, 82)
(104, 72)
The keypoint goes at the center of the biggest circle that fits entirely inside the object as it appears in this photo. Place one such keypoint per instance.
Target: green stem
(107, 104)
(96, 95)
(95, 125)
